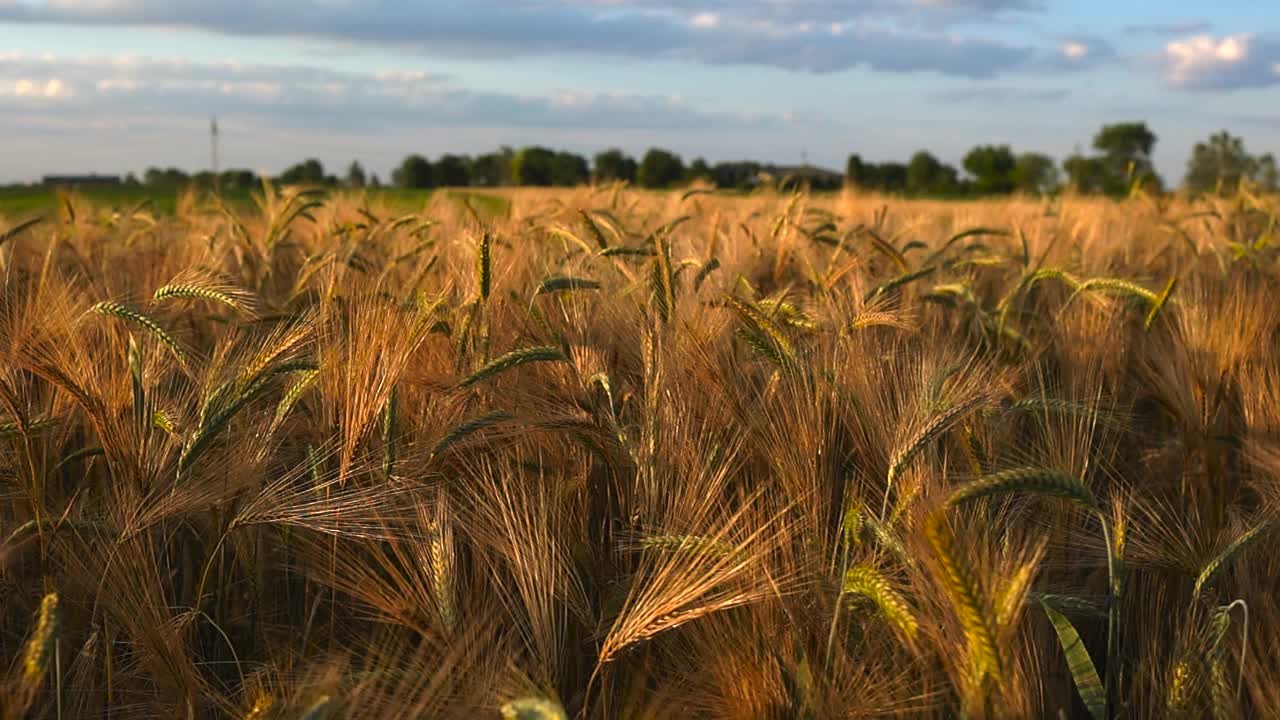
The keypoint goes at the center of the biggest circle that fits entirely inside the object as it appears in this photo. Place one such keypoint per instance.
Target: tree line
(1121, 159)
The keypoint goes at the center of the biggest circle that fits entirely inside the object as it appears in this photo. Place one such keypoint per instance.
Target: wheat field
(602, 453)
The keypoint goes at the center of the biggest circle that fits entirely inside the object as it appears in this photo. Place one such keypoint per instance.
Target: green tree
(1036, 173)
(1086, 174)
(613, 164)
(533, 166)
(569, 169)
(493, 169)
(453, 170)
(891, 177)
(992, 168)
(735, 174)
(415, 171)
(858, 173)
(1222, 161)
(355, 175)
(309, 171)
(237, 179)
(698, 170)
(927, 174)
(659, 169)
(1126, 154)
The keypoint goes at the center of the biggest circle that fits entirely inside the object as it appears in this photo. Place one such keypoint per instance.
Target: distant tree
(355, 175)
(659, 169)
(992, 168)
(453, 170)
(1126, 154)
(309, 171)
(1267, 174)
(698, 170)
(237, 179)
(858, 173)
(1035, 173)
(375, 181)
(613, 164)
(164, 177)
(890, 177)
(131, 179)
(493, 169)
(736, 175)
(927, 174)
(414, 171)
(1086, 174)
(569, 169)
(533, 166)
(1222, 161)
(1123, 144)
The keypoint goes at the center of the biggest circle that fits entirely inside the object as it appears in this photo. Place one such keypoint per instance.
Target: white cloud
(309, 97)
(1205, 62)
(885, 35)
(1075, 50)
(37, 89)
(705, 20)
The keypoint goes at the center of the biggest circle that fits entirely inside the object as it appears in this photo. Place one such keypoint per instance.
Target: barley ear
(866, 581)
(1218, 564)
(533, 708)
(121, 311)
(513, 359)
(320, 709)
(484, 270)
(1160, 302)
(1033, 480)
(967, 596)
(38, 652)
(918, 441)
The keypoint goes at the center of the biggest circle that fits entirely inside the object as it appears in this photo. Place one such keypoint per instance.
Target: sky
(113, 86)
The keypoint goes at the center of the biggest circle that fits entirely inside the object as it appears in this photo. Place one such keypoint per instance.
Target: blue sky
(117, 85)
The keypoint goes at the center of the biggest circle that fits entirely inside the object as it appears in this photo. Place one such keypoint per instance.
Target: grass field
(21, 201)
(609, 454)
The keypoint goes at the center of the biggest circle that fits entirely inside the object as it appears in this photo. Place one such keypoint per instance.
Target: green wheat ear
(13, 429)
(594, 227)
(512, 359)
(466, 428)
(968, 596)
(121, 311)
(931, 430)
(1039, 481)
(867, 581)
(1160, 302)
(16, 230)
(533, 708)
(39, 649)
(1217, 565)
(560, 283)
(484, 270)
(318, 710)
(199, 288)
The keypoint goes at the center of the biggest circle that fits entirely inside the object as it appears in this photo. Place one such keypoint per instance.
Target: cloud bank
(1233, 62)
(808, 36)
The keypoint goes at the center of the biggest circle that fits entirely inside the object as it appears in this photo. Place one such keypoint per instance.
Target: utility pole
(213, 147)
